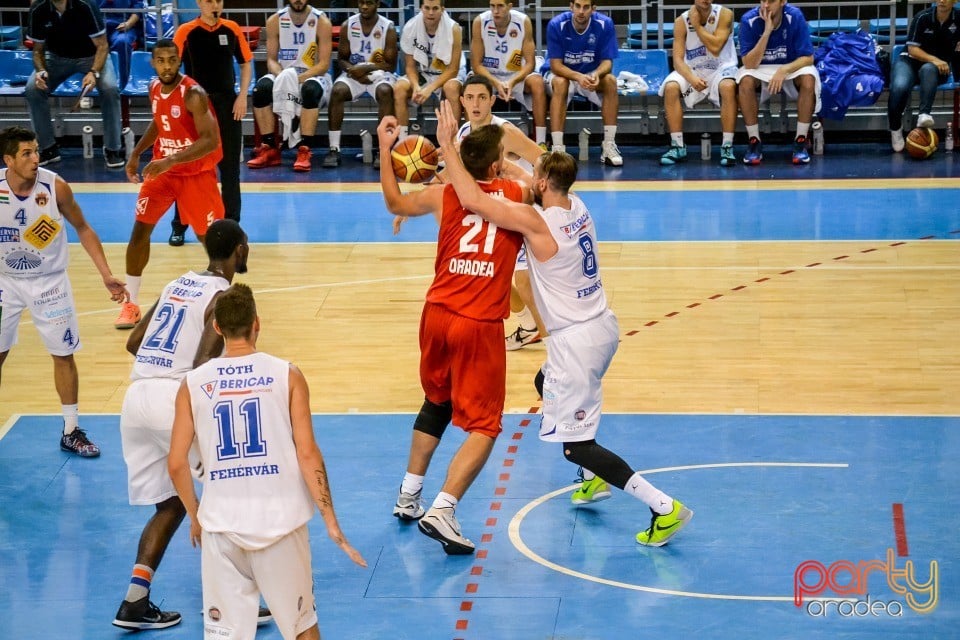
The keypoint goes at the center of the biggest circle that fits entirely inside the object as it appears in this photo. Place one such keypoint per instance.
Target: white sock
(404, 131)
(677, 139)
(609, 132)
(587, 474)
(638, 487)
(753, 131)
(540, 133)
(803, 128)
(557, 138)
(71, 417)
(444, 501)
(335, 140)
(526, 320)
(728, 138)
(133, 286)
(412, 483)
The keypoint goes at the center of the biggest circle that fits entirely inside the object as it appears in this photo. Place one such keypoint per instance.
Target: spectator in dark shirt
(932, 49)
(70, 37)
(208, 46)
(124, 31)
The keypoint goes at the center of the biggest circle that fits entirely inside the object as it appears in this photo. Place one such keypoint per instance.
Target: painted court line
(521, 546)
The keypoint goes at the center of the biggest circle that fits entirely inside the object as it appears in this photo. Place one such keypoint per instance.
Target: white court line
(514, 531)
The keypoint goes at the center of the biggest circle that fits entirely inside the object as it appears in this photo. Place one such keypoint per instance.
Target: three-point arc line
(812, 265)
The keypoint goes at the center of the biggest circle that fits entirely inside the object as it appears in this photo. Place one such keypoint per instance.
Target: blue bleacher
(15, 69)
(651, 64)
(10, 37)
(141, 73)
(820, 30)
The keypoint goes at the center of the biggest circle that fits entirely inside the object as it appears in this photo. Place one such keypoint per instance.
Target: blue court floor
(769, 493)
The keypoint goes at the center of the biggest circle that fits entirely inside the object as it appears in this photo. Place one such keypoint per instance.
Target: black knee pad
(310, 95)
(263, 93)
(577, 452)
(600, 460)
(433, 418)
(538, 382)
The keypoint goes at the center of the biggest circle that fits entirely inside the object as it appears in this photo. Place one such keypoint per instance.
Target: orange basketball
(414, 159)
(921, 143)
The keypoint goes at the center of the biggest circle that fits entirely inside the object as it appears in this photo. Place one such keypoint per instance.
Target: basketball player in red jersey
(186, 150)
(462, 357)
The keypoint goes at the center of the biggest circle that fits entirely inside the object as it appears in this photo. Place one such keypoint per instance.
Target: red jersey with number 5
(475, 258)
(176, 129)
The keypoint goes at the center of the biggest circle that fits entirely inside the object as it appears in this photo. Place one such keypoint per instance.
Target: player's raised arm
(417, 203)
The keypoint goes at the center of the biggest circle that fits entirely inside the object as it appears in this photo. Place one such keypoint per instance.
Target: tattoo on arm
(324, 500)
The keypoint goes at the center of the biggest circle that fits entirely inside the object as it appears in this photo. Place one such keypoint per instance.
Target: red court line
(900, 530)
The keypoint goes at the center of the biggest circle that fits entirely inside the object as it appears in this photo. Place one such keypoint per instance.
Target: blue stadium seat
(949, 85)
(10, 37)
(141, 73)
(70, 88)
(15, 69)
(651, 64)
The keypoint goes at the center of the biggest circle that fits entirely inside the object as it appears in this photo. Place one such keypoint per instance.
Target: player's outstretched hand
(446, 124)
(387, 133)
(352, 553)
(117, 288)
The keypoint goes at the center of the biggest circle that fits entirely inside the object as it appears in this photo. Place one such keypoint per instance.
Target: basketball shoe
(754, 152)
(727, 157)
(896, 140)
(332, 159)
(408, 506)
(662, 528)
(264, 156)
(674, 155)
(925, 121)
(610, 154)
(441, 525)
(143, 614)
(77, 442)
(593, 490)
(129, 316)
(800, 153)
(521, 338)
(302, 163)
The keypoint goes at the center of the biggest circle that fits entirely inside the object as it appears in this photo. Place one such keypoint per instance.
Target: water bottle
(87, 137)
(584, 145)
(129, 141)
(366, 141)
(817, 135)
(705, 148)
(948, 138)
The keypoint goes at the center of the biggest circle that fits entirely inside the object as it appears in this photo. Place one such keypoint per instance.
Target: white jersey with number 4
(567, 287)
(298, 44)
(253, 491)
(33, 241)
(503, 54)
(170, 343)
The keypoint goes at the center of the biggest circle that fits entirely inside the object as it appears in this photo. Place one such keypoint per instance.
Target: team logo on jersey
(9, 234)
(23, 260)
(513, 33)
(4, 196)
(592, 40)
(309, 56)
(377, 34)
(580, 415)
(711, 19)
(42, 233)
(209, 388)
(175, 111)
(41, 199)
(214, 614)
(312, 22)
(141, 207)
(516, 61)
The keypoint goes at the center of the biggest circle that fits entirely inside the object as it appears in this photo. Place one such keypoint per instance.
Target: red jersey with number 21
(475, 258)
(176, 129)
